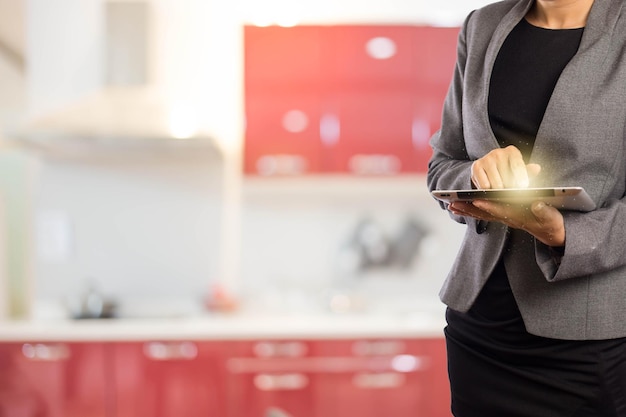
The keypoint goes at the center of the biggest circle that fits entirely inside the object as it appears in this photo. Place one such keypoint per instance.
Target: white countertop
(228, 327)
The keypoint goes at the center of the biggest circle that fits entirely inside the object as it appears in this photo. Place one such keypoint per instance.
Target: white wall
(12, 77)
(64, 52)
(137, 227)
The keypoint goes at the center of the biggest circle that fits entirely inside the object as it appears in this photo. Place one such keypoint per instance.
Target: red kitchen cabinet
(396, 377)
(348, 99)
(267, 378)
(381, 132)
(283, 134)
(169, 378)
(339, 378)
(369, 132)
(279, 58)
(54, 379)
(375, 128)
(401, 377)
(370, 56)
(433, 56)
(437, 399)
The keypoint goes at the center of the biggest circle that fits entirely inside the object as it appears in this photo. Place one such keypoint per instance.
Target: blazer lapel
(510, 20)
(578, 81)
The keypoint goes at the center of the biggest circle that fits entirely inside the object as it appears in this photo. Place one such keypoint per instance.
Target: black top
(524, 75)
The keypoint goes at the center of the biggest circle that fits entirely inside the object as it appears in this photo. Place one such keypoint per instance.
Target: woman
(537, 297)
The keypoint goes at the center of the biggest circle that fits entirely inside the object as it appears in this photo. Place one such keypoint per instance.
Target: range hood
(116, 118)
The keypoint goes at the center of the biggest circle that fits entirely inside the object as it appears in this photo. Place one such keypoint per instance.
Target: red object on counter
(221, 300)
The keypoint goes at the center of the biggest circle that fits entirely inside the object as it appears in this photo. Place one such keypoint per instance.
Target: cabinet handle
(283, 164)
(280, 349)
(281, 382)
(46, 352)
(384, 380)
(160, 351)
(276, 412)
(378, 347)
(375, 164)
(334, 365)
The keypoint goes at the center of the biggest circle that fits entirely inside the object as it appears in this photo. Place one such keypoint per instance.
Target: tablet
(563, 198)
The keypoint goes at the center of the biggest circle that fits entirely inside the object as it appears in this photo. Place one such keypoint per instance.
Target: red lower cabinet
(54, 379)
(394, 377)
(338, 378)
(404, 377)
(271, 379)
(169, 379)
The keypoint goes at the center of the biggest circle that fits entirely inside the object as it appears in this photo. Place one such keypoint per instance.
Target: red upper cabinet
(358, 99)
(373, 134)
(278, 58)
(370, 56)
(433, 57)
(283, 134)
(54, 379)
(380, 132)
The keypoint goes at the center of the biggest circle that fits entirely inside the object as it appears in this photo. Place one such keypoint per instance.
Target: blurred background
(239, 186)
(164, 153)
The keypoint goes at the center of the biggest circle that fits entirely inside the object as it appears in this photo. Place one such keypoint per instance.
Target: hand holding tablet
(562, 198)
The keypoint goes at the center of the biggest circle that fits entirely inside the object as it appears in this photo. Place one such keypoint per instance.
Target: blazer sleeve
(449, 165)
(594, 244)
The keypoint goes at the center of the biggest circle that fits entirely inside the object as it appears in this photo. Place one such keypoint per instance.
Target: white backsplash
(293, 231)
(139, 229)
(147, 233)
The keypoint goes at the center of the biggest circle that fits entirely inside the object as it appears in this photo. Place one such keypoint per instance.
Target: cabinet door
(368, 56)
(166, 379)
(282, 134)
(375, 133)
(434, 55)
(426, 120)
(53, 379)
(354, 99)
(279, 58)
(377, 377)
(437, 388)
(272, 378)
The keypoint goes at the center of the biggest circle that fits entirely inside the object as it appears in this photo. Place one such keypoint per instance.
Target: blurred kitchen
(201, 172)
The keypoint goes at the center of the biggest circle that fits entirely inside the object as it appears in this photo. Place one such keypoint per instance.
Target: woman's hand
(539, 219)
(503, 168)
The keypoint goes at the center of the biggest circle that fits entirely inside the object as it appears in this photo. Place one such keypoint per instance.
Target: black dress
(497, 368)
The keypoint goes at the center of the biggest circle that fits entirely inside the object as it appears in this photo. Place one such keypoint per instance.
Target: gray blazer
(581, 141)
